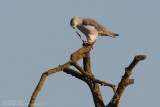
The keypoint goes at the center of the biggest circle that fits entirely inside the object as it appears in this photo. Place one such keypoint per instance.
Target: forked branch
(86, 75)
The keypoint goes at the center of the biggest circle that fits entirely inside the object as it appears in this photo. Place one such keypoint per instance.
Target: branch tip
(140, 57)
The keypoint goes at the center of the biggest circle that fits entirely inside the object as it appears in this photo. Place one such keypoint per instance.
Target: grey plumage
(91, 28)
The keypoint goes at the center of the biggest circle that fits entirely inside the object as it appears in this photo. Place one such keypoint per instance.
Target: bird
(91, 29)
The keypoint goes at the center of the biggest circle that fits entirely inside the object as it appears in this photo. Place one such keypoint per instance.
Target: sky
(35, 35)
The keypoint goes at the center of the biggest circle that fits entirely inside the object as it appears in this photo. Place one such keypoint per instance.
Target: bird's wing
(102, 31)
(95, 24)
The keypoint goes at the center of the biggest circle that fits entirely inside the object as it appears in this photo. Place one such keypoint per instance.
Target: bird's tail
(111, 34)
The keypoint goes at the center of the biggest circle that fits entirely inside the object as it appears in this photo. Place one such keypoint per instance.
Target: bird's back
(94, 23)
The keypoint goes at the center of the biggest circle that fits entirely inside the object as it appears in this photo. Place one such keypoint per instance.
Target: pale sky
(35, 35)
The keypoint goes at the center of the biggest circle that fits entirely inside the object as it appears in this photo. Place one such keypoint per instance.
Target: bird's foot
(86, 43)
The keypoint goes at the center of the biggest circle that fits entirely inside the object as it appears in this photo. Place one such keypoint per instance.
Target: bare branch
(94, 87)
(91, 77)
(74, 73)
(42, 80)
(87, 76)
(74, 58)
(125, 81)
(81, 53)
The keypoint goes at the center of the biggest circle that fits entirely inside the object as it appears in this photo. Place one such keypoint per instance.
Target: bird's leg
(87, 43)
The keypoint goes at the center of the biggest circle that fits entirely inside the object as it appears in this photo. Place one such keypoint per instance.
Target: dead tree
(86, 75)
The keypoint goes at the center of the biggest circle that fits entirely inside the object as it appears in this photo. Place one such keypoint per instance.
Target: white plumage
(90, 28)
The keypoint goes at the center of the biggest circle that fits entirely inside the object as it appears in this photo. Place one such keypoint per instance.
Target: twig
(91, 77)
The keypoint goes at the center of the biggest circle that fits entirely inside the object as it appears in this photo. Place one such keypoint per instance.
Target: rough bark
(86, 75)
(94, 87)
(125, 81)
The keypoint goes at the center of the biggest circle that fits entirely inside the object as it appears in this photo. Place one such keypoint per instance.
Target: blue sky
(35, 35)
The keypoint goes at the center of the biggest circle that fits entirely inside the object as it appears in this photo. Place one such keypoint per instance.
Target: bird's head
(75, 21)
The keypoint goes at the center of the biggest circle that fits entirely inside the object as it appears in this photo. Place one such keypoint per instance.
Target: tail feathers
(111, 34)
(114, 35)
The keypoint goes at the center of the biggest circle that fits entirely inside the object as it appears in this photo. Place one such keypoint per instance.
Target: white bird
(90, 28)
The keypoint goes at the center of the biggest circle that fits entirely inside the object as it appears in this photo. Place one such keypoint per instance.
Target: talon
(90, 42)
(87, 42)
